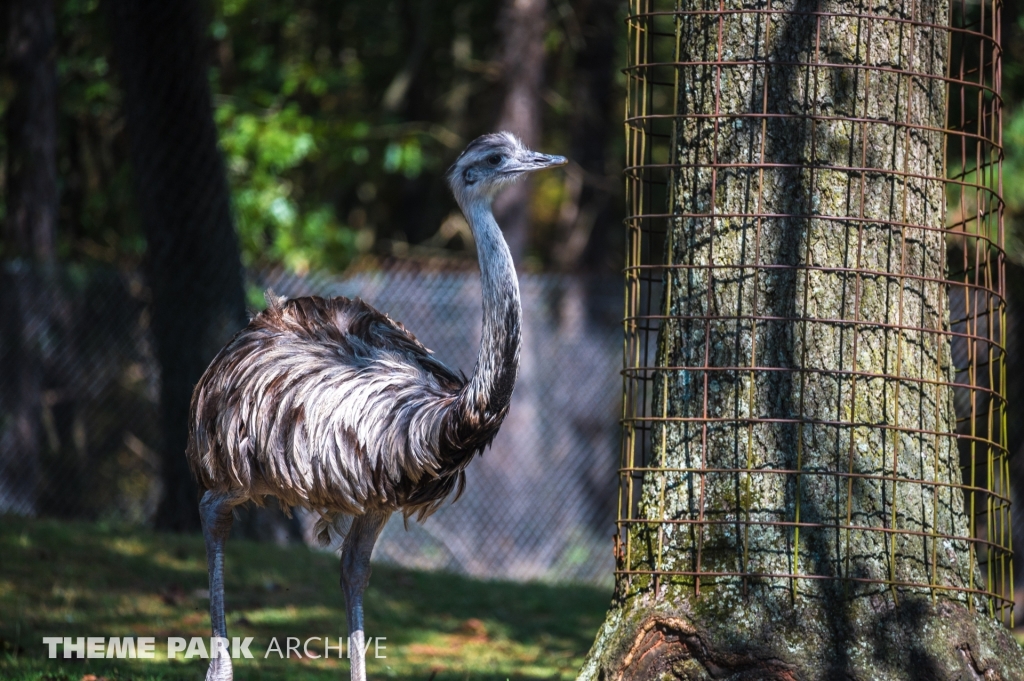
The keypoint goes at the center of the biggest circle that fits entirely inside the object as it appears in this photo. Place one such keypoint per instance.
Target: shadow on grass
(79, 579)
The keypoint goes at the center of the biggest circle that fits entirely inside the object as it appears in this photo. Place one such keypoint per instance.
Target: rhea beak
(536, 161)
(529, 162)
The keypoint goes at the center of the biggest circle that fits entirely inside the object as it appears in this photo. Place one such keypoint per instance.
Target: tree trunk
(21, 383)
(1015, 400)
(192, 252)
(31, 225)
(585, 221)
(29, 237)
(848, 404)
(522, 24)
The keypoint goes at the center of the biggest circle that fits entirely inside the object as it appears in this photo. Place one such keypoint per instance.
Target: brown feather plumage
(285, 409)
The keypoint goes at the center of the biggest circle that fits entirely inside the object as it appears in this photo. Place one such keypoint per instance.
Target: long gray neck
(489, 391)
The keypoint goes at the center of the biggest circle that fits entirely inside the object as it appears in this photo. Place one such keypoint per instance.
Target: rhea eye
(494, 159)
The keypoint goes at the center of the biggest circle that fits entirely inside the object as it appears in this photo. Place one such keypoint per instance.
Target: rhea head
(492, 162)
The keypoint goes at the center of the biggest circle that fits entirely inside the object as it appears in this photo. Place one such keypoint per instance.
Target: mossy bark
(833, 299)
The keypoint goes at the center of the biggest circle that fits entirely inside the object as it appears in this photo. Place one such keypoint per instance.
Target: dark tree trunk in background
(29, 236)
(31, 225)
(192, 253)
(850, 372)
(418, 20)
(586, 222)
(1015, 404)
(406, 95)
(521, 24)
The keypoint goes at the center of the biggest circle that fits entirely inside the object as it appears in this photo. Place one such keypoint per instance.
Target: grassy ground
(78, 579)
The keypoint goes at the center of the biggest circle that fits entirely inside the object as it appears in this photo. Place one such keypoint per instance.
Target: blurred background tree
(29, 231)
(192, 258)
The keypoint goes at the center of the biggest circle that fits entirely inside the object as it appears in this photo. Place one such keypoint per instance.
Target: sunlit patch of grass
(79, 579)
(126, 546)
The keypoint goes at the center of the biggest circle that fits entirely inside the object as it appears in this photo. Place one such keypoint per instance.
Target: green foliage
(316, 162)
(1013, 183)
(1013, 135)
(275, 225)
(80, 579)
(338, 119)
(98, 220)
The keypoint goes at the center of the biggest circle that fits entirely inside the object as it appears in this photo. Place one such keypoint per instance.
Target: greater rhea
(330, 405)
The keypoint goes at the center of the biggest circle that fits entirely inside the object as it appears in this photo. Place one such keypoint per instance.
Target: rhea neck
(489, 391)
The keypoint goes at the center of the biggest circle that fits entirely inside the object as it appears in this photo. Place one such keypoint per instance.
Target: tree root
(664, 645)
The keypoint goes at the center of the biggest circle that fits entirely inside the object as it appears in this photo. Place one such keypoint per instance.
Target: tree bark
(522, 24)
(29, 243)
(192, 255)
(835, 301)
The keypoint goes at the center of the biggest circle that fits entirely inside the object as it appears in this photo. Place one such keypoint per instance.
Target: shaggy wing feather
(327, 404)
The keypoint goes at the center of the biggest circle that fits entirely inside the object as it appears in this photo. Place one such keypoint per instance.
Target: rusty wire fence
(845, 160)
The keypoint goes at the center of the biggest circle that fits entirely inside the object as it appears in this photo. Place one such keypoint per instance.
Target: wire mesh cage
(815, 300)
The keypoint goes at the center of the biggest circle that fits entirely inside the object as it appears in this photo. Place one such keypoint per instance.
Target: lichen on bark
(805, 380)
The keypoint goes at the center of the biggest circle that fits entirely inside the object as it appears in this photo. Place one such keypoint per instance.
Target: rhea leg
(355, 575)
(215, 512)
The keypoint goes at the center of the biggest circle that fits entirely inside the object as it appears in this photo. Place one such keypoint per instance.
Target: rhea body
(330, 405)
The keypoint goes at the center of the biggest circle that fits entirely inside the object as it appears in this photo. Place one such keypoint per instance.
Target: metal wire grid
(78, 395)
(974, 281)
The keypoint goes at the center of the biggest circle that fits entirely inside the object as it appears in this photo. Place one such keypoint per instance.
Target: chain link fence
(79, 390)
(79, 387)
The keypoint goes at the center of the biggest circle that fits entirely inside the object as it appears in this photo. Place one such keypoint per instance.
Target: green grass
(81, 579)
